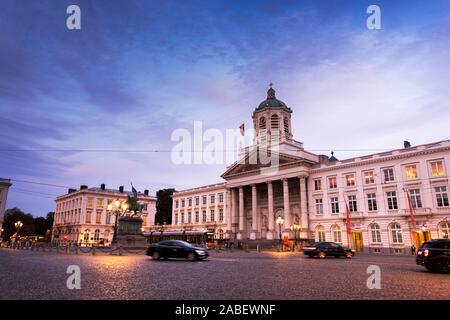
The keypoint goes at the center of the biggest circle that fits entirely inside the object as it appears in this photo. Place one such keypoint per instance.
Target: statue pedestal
(129, 233)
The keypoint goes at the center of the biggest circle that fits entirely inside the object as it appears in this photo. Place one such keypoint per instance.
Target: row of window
(197, 217)
(395, 231)
(212, 200)
(411, 173)
(391, 199)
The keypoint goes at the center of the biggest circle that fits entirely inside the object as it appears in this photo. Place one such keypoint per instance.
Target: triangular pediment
(257, 160)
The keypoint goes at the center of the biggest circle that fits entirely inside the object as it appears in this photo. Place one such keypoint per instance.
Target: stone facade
(313, 191)
(81, 216)
(4, 186)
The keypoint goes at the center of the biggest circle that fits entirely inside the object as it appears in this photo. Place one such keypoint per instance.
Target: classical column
(228, 210)
(271, 217)
(254, 214)
(303, 205)
(241, 213)
(287, 208)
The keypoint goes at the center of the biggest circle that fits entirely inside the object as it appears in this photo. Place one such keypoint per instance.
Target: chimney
(406, 144)
(102, 186)
(146, 192)
(71, 190)
(121, 189)
(83, 187)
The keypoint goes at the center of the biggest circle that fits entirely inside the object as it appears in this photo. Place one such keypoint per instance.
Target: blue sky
(137, 70)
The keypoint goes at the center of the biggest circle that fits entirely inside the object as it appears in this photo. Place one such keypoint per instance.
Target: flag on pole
(411, 212)
(135, 193)
(242, 128)
(347, 219)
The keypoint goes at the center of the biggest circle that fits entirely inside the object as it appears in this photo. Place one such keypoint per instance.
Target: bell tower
(272, 121)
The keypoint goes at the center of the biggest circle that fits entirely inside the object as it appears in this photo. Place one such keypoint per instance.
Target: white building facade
(4, 186)
(312, 192)
(81, 216)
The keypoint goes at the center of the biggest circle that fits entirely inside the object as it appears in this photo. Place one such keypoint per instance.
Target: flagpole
(347, 223)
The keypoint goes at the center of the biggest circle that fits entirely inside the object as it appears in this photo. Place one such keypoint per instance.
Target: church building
(278, 190)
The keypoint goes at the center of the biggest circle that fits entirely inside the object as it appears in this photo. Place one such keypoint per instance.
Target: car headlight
(200, 252)
(353, 250)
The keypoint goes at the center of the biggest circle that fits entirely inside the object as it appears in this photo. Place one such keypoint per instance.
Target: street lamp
(295, 228)
(117, 208)
(18, 226)
(280, 222)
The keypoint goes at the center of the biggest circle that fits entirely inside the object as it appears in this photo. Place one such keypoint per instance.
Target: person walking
(413, 249)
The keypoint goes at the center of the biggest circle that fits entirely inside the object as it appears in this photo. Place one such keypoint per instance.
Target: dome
(271, 101)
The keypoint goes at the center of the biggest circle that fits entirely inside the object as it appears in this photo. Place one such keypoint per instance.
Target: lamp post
(117, 208)
(1, 235)
(295, 228)
(18, 226)
(280, 222)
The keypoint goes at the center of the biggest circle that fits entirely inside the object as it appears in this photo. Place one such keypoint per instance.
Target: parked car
(176, 249)
(435, 255)
(324, 249)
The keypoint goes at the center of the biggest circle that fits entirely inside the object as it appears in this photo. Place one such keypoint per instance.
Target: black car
(435, 255)
(323, 249)
(176, 249)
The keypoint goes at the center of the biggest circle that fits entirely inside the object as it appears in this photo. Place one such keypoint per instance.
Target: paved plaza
(235, 275)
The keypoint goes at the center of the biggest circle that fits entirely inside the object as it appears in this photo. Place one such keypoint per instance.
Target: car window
(166, 243)
(334, 245)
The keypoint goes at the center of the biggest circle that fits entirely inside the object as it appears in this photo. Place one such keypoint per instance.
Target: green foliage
(164, 206)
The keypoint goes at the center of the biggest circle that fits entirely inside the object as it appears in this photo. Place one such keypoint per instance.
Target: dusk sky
(73, 101)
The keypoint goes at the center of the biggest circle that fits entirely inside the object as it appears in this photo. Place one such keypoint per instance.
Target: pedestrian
(413, 250)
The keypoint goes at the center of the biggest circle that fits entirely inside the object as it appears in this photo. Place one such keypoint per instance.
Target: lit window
(411, 172)
(350, 178)
(90, 202)
(437, 168)
(332, 183)
(369, 177)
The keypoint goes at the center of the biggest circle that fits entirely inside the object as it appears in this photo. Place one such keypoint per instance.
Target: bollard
(93, 250)
(67, 249)
(120, 250)
(258, 248)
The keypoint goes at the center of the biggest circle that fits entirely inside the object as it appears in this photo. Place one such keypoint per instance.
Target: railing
(416, 212)
(75, 249)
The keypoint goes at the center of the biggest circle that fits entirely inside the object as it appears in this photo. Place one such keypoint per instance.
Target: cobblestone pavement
(236, 275)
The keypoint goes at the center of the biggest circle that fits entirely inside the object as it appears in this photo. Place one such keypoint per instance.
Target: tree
(164, 206)
(43, 225)
(11, 217)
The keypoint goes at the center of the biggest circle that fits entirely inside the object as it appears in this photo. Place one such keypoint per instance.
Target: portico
(256, 206)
